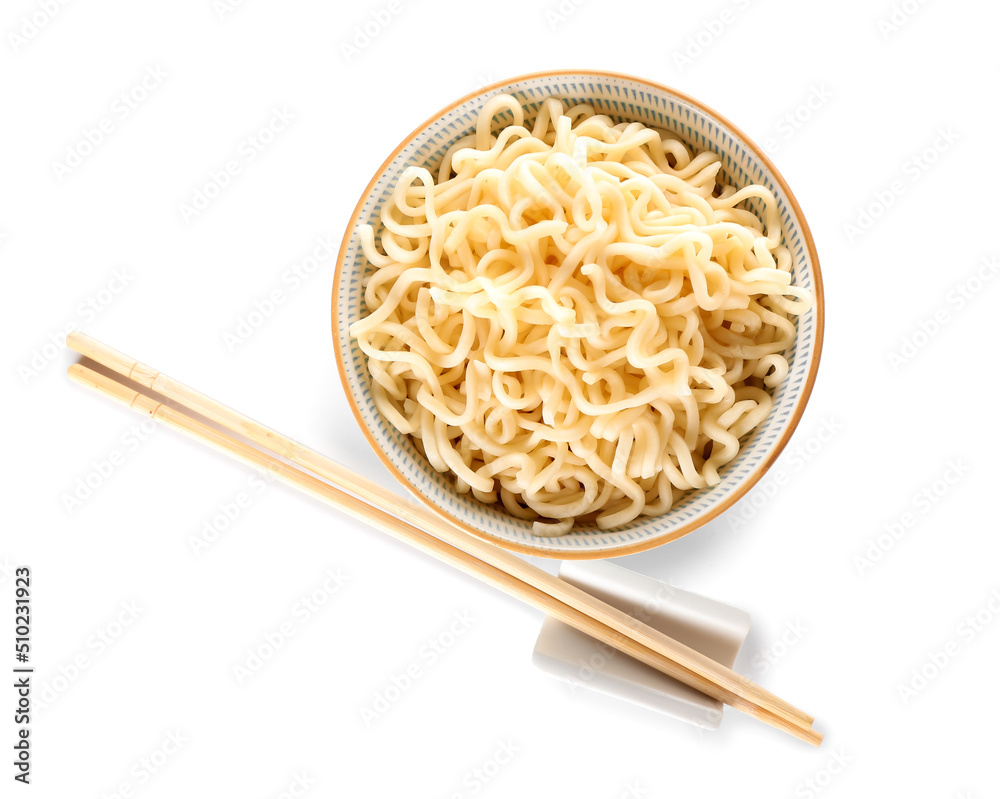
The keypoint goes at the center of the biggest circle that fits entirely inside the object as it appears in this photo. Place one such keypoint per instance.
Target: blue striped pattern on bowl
(621, 98)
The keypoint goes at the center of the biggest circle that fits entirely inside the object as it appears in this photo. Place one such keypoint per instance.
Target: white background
(890, 90)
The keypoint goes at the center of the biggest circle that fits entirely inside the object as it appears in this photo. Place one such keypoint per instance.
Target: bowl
(624, 98)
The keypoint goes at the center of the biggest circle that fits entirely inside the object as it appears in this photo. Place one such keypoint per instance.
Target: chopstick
(476, 557)
(423, 541)
(374, 495)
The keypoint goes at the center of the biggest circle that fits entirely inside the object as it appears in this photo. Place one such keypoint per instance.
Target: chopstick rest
(713, 628)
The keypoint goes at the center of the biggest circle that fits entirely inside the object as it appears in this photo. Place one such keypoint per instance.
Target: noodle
(578, 320)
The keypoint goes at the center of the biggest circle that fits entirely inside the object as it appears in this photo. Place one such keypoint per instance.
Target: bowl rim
(647, 543)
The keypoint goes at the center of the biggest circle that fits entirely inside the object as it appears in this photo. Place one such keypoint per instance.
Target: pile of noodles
(578, 320)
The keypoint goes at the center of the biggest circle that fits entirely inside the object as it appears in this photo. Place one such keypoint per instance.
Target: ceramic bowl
(624, 98)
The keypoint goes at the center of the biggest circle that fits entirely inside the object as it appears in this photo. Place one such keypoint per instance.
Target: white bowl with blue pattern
(623, 98)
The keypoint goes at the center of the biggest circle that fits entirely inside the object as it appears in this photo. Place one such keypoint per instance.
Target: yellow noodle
(576, 320)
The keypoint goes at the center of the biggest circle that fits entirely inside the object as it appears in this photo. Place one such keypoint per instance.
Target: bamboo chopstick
(366, 489)
(687, 658)
(404, 531)
(469, 553)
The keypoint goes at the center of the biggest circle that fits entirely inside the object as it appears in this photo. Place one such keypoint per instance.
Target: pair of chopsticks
(314, 474)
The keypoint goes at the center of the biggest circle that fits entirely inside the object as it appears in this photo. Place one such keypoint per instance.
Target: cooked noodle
(578, 319)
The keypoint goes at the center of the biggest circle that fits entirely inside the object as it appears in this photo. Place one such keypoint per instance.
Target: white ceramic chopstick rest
(713, 628)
